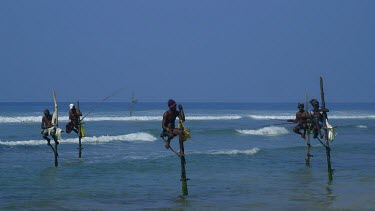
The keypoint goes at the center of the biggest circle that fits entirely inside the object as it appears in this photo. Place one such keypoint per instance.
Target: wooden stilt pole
(79, 134)
(308, 145)
(56, 125)
(328, 150)
(183, 177)
(183, 170)
(56, 154)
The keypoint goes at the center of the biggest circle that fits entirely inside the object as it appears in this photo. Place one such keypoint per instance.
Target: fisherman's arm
(71, 115)
(293, 120)
(325, 109)
(306, 116)
(163, 123)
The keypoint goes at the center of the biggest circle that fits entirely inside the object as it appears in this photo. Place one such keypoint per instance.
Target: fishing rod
(113, 94)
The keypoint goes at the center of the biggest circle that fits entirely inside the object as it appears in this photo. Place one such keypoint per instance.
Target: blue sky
(192, 51)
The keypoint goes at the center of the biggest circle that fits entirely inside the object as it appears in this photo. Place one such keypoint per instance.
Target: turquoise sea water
(241, 157)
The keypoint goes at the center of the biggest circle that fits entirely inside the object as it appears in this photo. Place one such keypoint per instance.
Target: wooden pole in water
(183, 171)
(55, 152)
(183, 177)
(56, 125)
(79, 134)
(328, 150)
(308, 145)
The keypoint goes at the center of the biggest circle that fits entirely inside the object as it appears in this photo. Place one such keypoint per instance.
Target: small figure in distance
(302, 118)
(168, 124)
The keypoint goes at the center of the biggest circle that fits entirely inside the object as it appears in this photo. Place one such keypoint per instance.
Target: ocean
(242, 156)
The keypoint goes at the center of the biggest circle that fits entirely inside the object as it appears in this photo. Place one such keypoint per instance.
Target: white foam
(266, 131)
(351, 116)
(284, 117)
(270, 117)
(234, 152)
(132, 118)
(361, 126)
(27, 119)
(132, 137)
(228, 117)
(33, 119)
(159, 118)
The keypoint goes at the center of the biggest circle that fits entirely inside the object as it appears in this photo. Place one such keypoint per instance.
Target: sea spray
(132, 137)
(266, 131)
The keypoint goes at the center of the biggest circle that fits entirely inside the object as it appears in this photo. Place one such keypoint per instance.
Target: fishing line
(93, 108)
(24, 122)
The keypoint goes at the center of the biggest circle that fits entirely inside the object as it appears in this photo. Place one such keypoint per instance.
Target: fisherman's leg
(320, 131)
(316, 129)
(55, 139)
(75, 129)
(304, 133)
(69, 127)
(168, 141)
(297, 129)
(48, 140)
(44, 133)
(179, 133)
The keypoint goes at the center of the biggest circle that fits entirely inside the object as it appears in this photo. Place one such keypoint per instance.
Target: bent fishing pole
(113, 94)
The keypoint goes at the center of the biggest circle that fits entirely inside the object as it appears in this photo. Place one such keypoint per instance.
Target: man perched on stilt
(74, 115)
(168, 124)
(317, 118)
(302, 118)
(47, 128)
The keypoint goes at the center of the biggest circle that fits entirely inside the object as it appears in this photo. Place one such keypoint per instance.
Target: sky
(191, 51)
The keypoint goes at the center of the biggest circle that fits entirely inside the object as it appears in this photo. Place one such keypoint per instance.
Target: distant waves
(132, 137)
(252, 151)
(285, 117)
(33, 119)
(266, 131)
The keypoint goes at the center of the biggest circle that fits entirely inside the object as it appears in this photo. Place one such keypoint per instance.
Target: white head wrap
(71, 106)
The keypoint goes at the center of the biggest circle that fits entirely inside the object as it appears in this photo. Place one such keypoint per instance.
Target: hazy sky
(195, 51)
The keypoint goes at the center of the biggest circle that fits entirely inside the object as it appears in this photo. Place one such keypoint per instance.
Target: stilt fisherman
(168, 125)
(302, 118)
(316, 118)
(74, 114)
(47, 128)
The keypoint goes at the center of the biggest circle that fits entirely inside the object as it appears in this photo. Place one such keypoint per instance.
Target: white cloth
(331, 131)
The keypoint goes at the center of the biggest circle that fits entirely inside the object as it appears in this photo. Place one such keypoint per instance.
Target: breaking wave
(284, 117)
(33, 119)
(132, 137)
(252, 151)
(270, 117)
(361, 126)
(266, 131)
